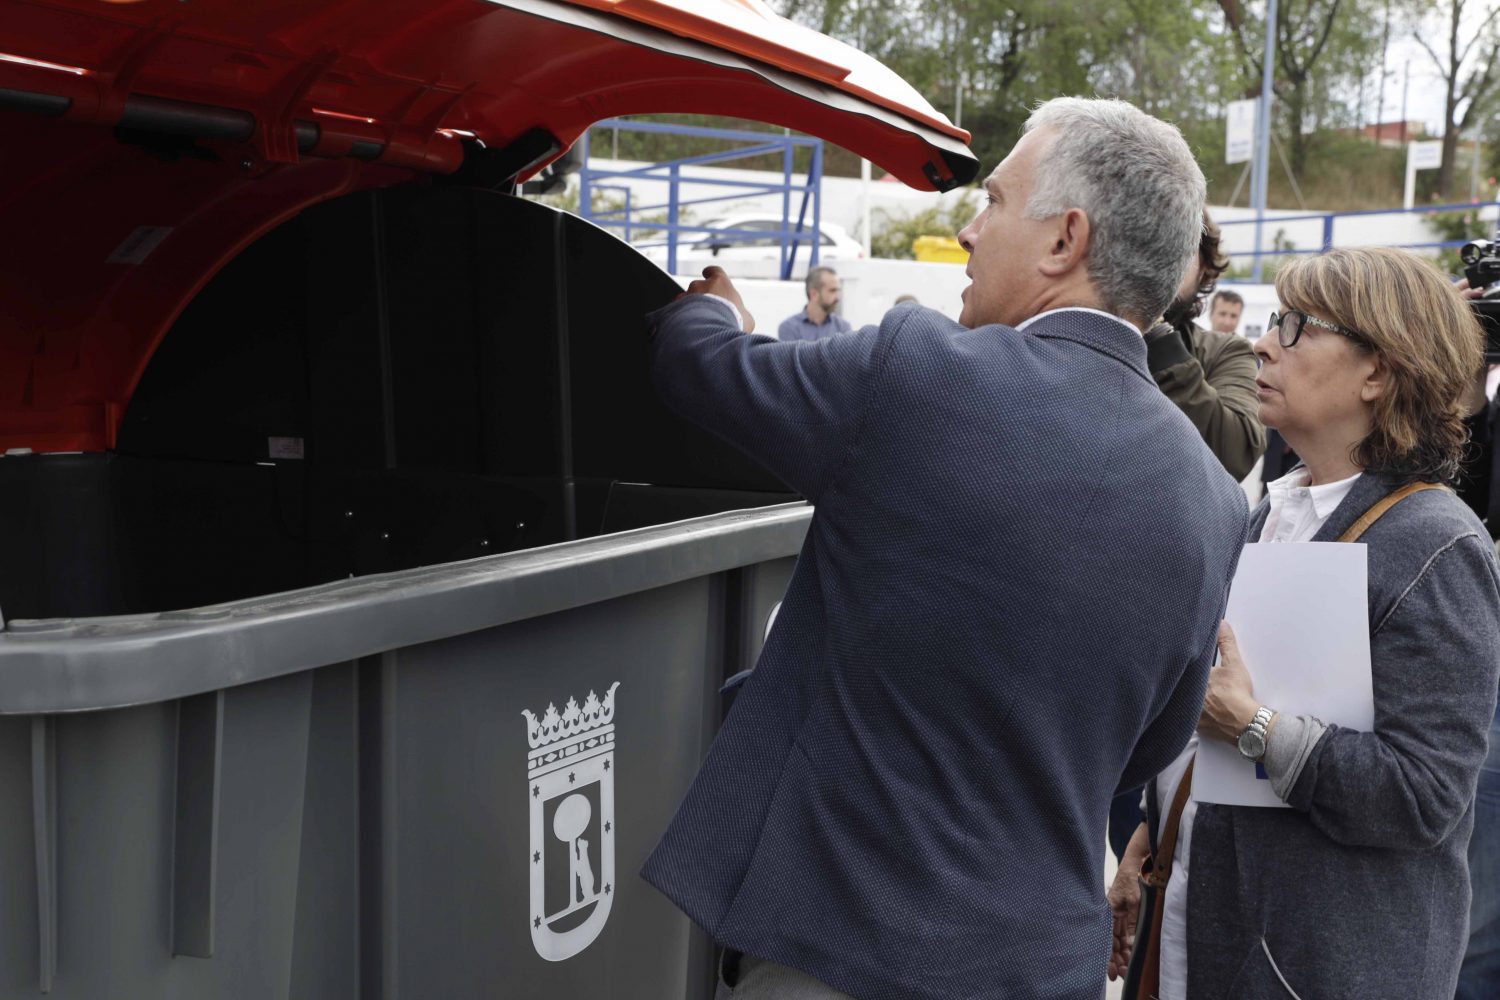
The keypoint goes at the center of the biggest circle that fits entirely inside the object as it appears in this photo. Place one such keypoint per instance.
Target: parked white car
(739, 238)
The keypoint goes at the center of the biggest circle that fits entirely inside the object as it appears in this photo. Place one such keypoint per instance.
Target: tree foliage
(1466, 51)
(1181, 60)
(987, 63)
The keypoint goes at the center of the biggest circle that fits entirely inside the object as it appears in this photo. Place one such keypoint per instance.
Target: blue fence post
(753, 144)
(786, 211)
(1328, 232)
(815, 181)
(676, 175)
(585, 195)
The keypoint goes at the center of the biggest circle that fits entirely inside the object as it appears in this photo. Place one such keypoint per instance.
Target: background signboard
(1427, 155)
(1239, 130)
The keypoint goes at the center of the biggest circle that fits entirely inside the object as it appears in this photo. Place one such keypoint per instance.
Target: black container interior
(394, 379)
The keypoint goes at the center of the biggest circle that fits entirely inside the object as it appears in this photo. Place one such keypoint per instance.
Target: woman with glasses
(1360, 888)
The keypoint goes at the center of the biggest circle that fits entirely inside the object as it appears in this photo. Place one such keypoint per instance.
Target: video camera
(1482, 267)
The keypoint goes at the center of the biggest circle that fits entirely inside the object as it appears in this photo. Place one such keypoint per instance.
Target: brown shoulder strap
(1148, 946)
(1372, 515)
(1161, 868)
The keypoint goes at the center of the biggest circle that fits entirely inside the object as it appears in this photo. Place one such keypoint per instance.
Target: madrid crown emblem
(570, 774)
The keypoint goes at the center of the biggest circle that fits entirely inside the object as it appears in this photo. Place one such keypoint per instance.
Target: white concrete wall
(843, 197)
(871, 287)
(843, 201)
(1384, 229)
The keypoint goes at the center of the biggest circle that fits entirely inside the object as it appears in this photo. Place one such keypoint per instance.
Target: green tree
(1469, 64)
(1170, 58)
(1321, 50)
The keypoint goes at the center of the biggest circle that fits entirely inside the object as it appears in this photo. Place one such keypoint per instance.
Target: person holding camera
(1477, 484)
(1209, 375)
(1479, 977)
(1361, 887)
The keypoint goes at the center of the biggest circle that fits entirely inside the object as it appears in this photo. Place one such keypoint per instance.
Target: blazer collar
(1368, 490)
(1104, 334)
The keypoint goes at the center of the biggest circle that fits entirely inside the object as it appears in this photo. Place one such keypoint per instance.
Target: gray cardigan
(1361, 889)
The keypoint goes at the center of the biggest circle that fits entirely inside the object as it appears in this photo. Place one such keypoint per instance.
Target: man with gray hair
(818, 318)
(1006, 603)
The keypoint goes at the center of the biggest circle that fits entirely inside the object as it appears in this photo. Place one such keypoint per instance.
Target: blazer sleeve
(1219, 399)
(1173, 726)
(795, 407)
(1436, 661)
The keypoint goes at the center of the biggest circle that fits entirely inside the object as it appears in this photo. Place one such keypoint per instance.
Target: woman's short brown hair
(1425, 333)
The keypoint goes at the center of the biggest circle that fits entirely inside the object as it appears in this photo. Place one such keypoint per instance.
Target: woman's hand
(1230, 703)
(1124, 897)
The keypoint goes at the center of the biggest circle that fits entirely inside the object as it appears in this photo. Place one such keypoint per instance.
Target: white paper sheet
(1300, 612)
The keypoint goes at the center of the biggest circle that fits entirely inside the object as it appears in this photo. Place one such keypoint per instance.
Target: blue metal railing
(1328, 220)
(628, 219)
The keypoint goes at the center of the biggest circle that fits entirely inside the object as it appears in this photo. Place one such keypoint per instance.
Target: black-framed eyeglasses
(1289, 326)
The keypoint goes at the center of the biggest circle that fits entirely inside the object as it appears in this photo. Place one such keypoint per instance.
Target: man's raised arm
(793, 407)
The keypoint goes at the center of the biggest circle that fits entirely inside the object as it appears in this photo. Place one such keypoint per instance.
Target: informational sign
(1426, 155)
(1300, 614)
(1420, 156)
(1239, 130)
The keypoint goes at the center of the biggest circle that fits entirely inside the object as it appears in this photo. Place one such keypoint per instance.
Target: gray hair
(1136, 180)
(815, 277)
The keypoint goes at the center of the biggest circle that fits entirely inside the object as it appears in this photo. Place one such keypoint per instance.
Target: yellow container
(942, 249)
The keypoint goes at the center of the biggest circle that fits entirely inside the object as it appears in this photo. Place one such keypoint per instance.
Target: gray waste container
(435, 782)
(281, 346)
(455, 635)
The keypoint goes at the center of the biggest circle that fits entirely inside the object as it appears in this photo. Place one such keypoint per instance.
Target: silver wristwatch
(1252, 742)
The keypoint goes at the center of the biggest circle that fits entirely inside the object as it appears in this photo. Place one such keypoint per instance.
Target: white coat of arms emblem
(571, 788)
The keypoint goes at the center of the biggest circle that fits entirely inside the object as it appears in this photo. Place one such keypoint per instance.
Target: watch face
(1252, 745)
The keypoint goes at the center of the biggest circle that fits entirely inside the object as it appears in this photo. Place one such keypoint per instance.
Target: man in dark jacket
(909, 796)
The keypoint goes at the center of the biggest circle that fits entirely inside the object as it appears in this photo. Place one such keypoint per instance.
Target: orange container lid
(286, 103)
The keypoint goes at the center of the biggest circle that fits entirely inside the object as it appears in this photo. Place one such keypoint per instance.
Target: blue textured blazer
(1005, 610)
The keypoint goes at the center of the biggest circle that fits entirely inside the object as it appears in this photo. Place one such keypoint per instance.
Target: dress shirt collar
(1299, 510)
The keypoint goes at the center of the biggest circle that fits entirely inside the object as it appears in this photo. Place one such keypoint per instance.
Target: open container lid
(147, 143)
